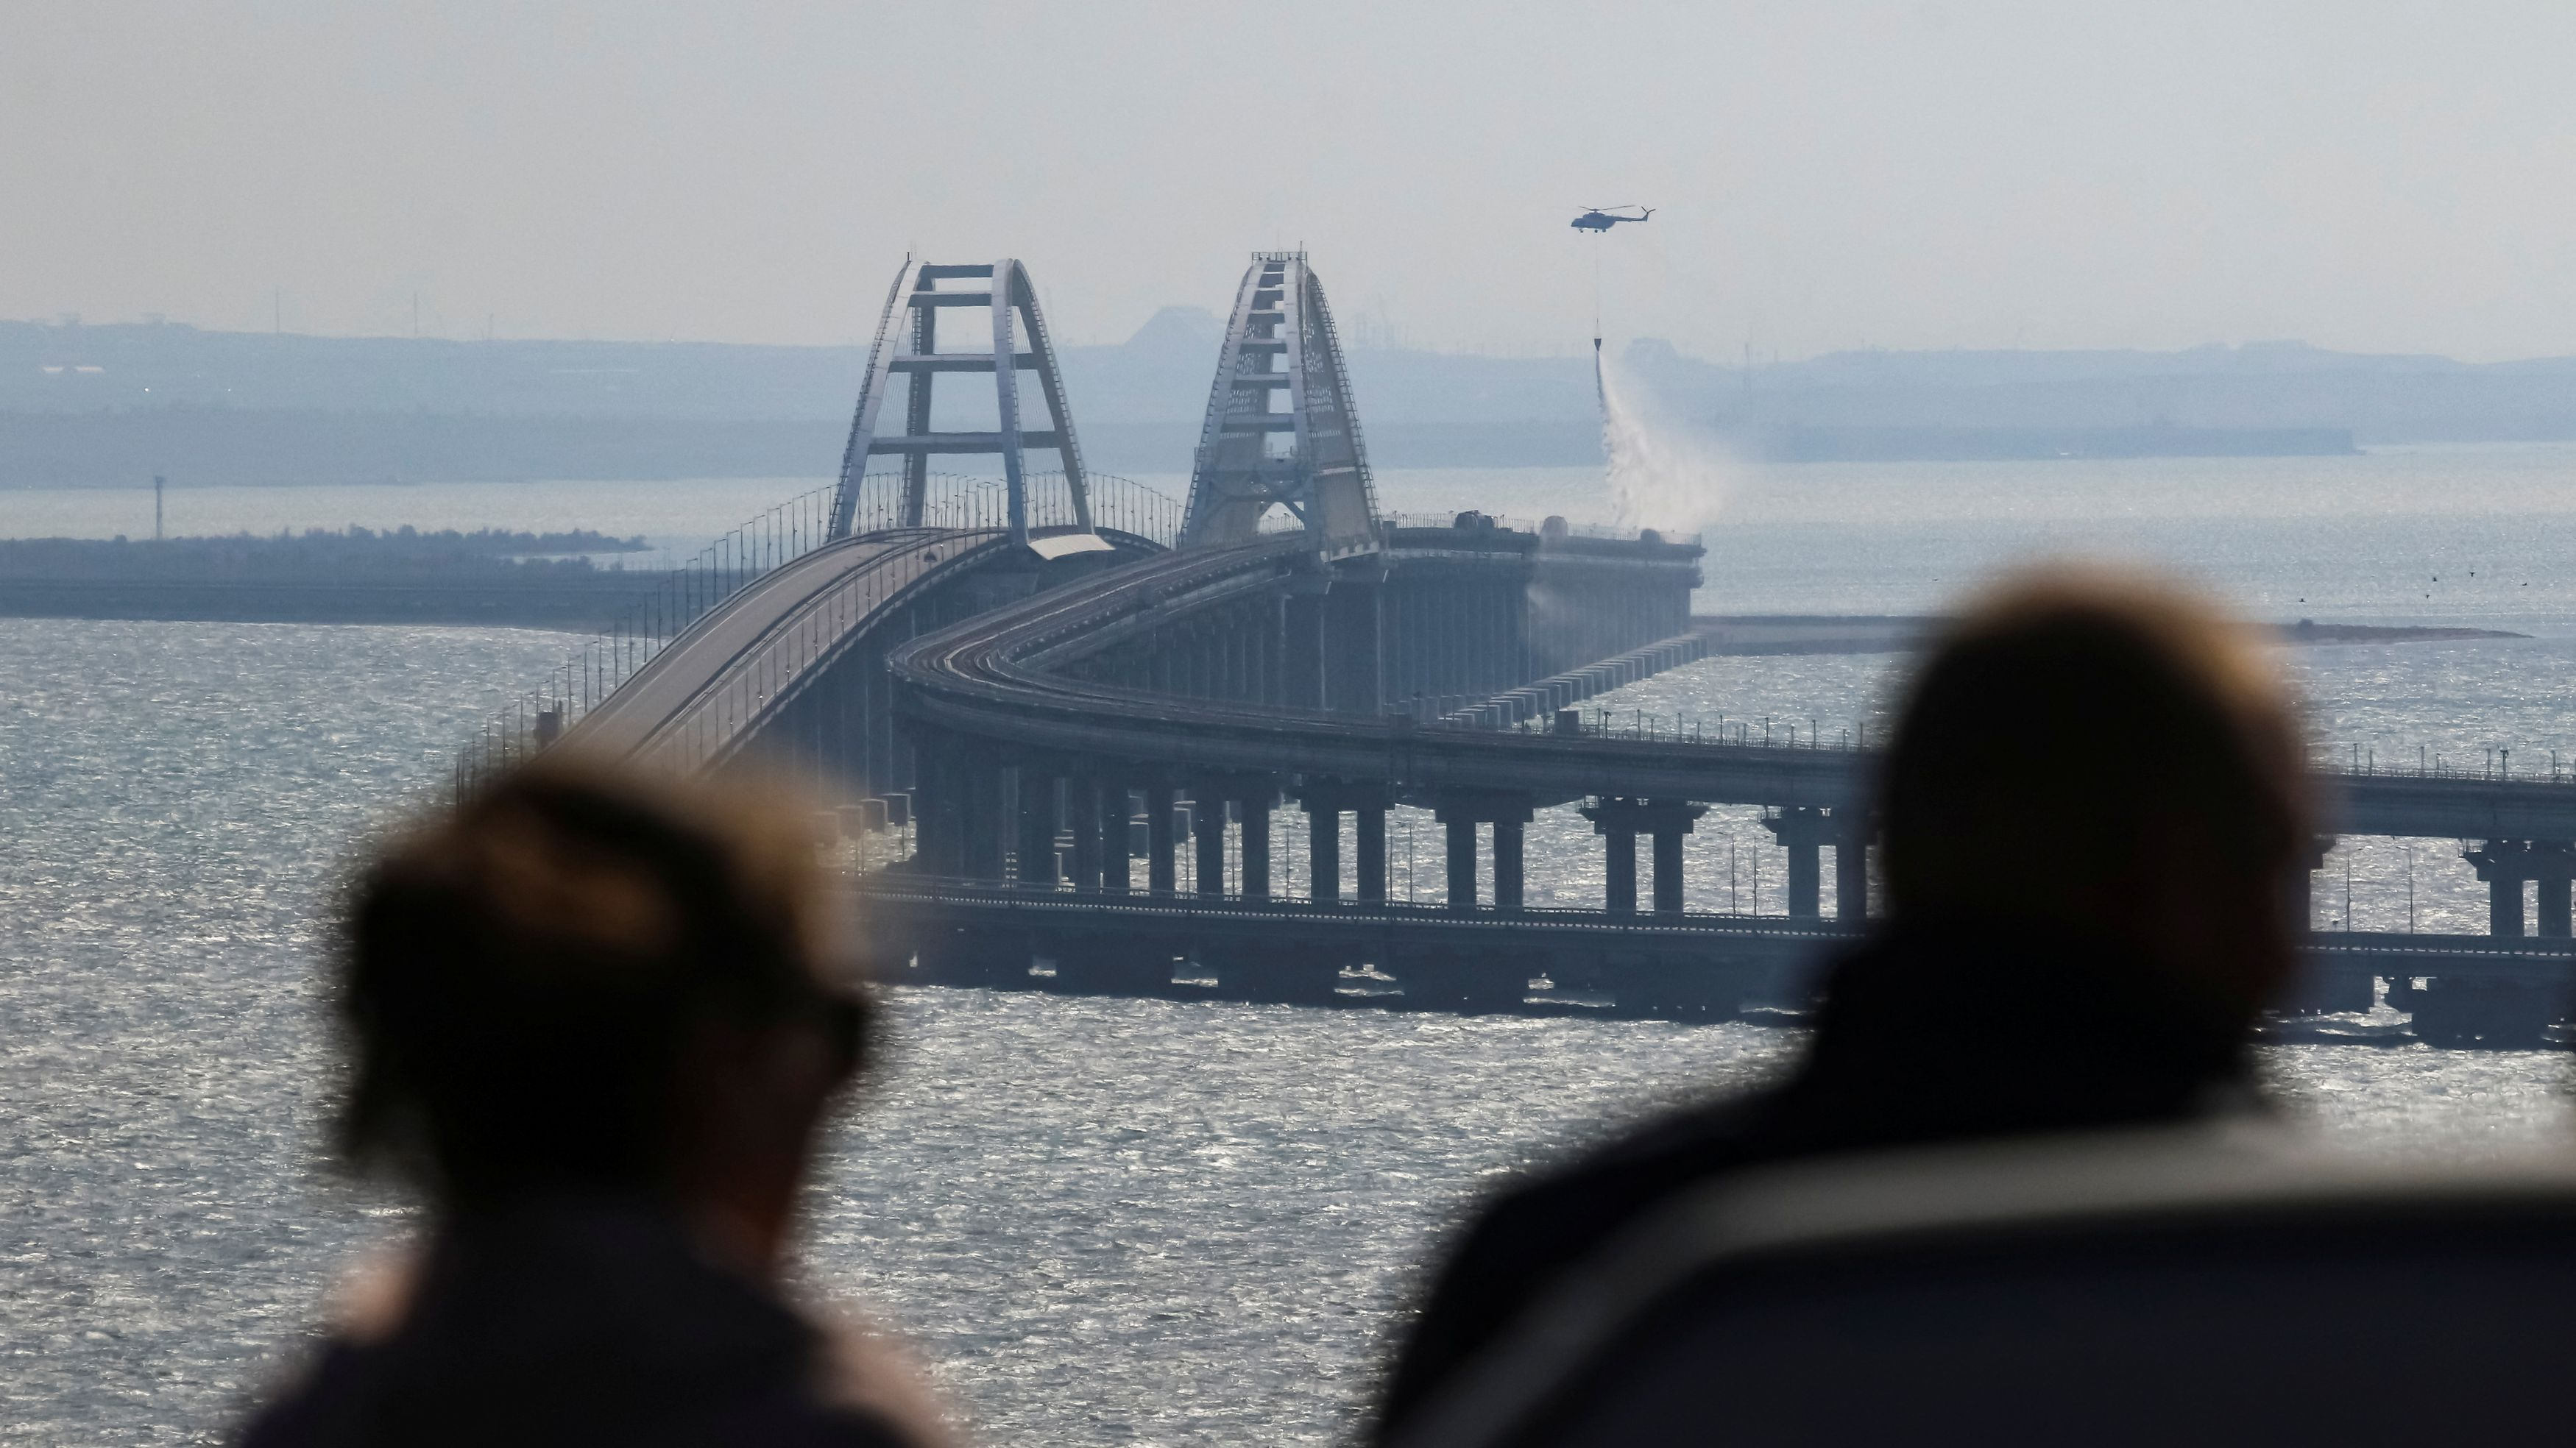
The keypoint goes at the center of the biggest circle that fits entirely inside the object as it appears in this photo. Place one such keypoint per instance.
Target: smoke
(1664, 472)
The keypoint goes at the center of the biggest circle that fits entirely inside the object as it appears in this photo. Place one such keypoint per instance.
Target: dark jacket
(579, 1323)
(1925, 1035)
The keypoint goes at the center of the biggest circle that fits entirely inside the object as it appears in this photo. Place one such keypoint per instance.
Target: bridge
(1052, 682)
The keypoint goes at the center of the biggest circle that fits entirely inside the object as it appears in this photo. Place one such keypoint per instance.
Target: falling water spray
(1663, 472)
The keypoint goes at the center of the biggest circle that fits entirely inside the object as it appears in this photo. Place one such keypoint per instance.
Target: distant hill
(113, 404)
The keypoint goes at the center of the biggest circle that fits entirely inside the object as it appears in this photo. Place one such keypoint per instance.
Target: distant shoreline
(1760, 634)
(244, 447)
(2036, 444)
(585, 606)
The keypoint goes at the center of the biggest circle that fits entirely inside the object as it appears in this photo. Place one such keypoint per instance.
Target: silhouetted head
(2106, 753)
(585, 980)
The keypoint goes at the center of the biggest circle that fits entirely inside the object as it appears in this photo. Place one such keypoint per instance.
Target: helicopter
(1600, 218)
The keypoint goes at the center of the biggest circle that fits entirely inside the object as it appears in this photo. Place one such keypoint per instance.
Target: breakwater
(567, 580)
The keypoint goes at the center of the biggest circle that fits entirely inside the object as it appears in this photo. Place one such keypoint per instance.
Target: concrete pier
(2507, 865)
(1803, 832)
(1619, 822)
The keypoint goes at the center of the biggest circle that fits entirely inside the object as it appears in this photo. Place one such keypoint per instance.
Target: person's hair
(521, 974)
(2068, 724)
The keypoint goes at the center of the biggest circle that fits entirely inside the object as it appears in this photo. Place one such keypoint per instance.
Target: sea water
(1106, 1221)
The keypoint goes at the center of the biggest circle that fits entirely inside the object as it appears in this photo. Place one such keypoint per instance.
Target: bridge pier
(1117, 839)
(1851, 864)
(1256, 844)
(941, 842)
(1664, 821)
(1461, 831)
(1083, 819)
(1668, 866)
(1804, 831)
(1207, 830)
(1459, 812)
(2302, 904)
(2505, 864)
(983, 822)
(1621, 872)
(1509, 836)
(1161, 840)
(1369, 837)
(1324, 853)
(1037, 862)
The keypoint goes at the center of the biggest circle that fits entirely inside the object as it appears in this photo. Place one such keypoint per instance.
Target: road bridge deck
(701, 694)
(1004, 676)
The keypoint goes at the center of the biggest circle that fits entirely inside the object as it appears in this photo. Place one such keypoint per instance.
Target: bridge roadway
(710, 690)
(1004, 676)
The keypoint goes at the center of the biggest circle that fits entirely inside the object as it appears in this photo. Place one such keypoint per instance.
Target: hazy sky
(2365, 176)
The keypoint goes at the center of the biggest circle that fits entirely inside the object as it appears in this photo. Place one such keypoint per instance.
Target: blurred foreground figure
(592, 1022)
(2091, 816)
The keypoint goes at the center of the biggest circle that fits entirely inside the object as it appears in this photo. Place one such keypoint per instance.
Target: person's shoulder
(1558, 1211)
(1524, 1237)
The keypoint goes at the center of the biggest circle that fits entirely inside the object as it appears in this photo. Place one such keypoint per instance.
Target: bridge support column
(2504, 865)
(1161, 844)
(2302, 904)
(2504, 906)
(1620, 872)
(1508, 838)
(1461, 811)
(1324, 800)
(1851, 865)
(1369, 835)
(1668, 868)
(1117, 839)
(2554, 868)
(1462, 863)
(1665, 821)
(1037, 827)
(1324, 851)
(1207, 828)
(1083, 818)
(1256, 845)
(1803, 832)
(983, 820)
(942, 838)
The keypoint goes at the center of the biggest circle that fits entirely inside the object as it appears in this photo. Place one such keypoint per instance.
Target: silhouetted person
(2090, 819)
(592, 1019)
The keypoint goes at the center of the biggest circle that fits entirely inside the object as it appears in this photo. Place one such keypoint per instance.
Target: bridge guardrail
(596, 668)
(1718, 729)
(714, 724)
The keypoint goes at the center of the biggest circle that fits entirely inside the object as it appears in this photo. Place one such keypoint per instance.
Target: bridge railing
(594, 669)
(1119, 504)
(2495, 763)
(1733, 731)
(1770, 731)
